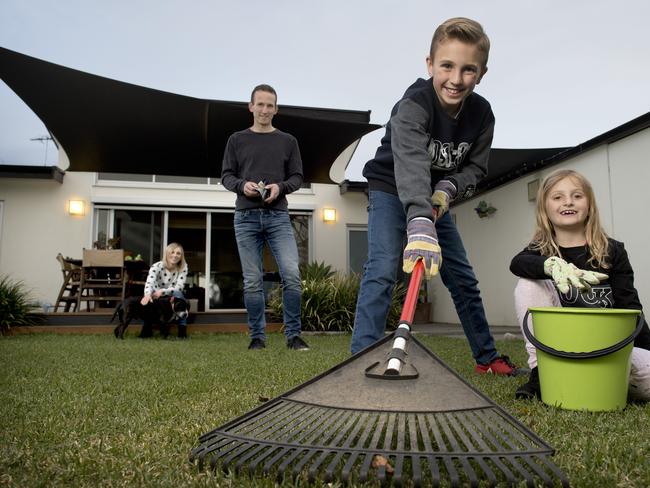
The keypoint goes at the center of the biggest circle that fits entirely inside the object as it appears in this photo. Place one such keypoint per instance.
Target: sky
(560, 72)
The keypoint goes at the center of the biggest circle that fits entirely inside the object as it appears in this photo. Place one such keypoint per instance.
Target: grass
(82, 410)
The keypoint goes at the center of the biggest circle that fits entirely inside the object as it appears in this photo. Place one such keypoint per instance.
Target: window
(357, 248)
(138, 178)
(226, 282)
(146, 232)
(124, 177)
(300, 225)
(189, 230)
(102, 228)
(140, 233)
(181, 179)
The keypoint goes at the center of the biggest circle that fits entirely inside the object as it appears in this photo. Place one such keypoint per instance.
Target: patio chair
(103, 278)
(68, 294)
(136, 274)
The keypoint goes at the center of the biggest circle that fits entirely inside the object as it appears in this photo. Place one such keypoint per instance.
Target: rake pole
(396, 358)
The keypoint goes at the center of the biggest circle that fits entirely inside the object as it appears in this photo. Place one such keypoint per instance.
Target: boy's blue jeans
(386, 233)
(252, 229)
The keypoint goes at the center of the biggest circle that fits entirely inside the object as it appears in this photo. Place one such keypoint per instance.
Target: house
(144, 165)
(36, 225)
(122, 195)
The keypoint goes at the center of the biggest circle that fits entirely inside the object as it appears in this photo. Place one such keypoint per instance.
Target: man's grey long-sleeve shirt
(271, 157)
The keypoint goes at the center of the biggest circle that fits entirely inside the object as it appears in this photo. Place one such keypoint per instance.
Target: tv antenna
(43, 140)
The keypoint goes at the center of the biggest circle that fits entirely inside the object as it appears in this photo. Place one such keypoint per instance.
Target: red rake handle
(408, 311)
(397, 354)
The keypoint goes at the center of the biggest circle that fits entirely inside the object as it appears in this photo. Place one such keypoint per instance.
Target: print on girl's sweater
(600, 296)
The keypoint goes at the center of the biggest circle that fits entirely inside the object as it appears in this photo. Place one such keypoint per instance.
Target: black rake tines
(347, 426)
(294, 439)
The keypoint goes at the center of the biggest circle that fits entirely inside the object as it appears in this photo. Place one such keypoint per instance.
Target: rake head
(431, 428)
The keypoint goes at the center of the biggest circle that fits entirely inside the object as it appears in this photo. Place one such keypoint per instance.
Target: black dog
(160, 311)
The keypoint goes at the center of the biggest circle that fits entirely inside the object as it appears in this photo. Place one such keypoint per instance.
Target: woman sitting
(166, 278)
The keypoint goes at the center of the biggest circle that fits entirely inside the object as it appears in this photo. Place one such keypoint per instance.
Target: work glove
(443, 193)
(422, 244)
(565, 274)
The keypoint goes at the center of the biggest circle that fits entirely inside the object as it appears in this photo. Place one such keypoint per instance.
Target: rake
(395, 413)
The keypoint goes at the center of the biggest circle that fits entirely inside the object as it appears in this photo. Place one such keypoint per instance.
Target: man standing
(262, 165)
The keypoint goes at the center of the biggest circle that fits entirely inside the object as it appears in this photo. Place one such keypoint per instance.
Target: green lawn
(92, 411)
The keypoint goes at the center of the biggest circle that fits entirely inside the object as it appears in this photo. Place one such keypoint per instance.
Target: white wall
(37, 226)
(330, 239)
(630, 176)
(619, 176)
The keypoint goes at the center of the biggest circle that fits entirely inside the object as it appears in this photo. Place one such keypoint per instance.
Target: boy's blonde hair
(544, 237)
(464, 30)
(172, 246)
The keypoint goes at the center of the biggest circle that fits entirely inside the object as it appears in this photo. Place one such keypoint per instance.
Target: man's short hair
(464, 30)
(265, 88)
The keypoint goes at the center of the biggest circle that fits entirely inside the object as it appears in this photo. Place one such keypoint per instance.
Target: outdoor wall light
(329, 215)
(76, 207)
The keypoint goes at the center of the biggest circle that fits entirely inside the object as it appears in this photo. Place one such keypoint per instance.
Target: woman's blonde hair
(544, 237)
(172, 246)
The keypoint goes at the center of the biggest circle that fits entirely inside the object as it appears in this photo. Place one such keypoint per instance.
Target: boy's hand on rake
(422, 244)
(443, 194)
(565, 275)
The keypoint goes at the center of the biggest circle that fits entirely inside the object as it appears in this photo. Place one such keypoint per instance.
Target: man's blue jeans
(252, 229)
(386, 235)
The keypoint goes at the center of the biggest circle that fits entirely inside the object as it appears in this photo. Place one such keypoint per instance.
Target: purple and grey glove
(422, 244)
(443, 193)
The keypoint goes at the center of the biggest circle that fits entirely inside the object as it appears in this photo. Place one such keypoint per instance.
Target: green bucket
(583, 355)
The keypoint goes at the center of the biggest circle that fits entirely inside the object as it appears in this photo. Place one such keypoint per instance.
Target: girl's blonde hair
(172, 246)
(544, 237)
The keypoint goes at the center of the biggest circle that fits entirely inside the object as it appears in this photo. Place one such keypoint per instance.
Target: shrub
(316, 271)
(329, 299)
(16, 306)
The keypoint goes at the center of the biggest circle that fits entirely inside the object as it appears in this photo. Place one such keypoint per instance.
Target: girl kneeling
(571, 262)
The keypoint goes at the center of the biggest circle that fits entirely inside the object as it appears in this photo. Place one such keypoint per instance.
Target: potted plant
(16, 306)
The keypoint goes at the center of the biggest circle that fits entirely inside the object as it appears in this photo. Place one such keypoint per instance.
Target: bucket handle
(581, 355)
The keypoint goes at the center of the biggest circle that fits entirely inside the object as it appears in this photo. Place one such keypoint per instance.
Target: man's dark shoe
(530, 390)
(257, 344)
(297, 344)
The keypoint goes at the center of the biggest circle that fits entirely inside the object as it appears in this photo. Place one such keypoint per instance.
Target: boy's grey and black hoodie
(423, 145)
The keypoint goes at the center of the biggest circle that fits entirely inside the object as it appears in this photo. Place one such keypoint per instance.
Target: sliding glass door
(189, 230)
(208, 238)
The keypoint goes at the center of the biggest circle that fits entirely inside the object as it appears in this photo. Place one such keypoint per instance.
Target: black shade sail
(106, 125)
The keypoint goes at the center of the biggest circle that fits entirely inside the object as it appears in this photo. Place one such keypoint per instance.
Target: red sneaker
(500, 365)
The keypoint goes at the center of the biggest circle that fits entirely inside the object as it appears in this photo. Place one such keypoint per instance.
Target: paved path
(455, 330)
